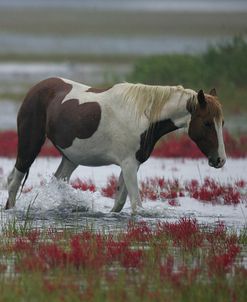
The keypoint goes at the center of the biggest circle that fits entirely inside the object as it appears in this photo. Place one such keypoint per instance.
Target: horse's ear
(213, 92)
(201, 99)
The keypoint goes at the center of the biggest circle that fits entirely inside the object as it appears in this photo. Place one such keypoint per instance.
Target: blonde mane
(149, 100)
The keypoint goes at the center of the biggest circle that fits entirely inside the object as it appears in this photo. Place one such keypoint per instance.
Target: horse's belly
(89, 153)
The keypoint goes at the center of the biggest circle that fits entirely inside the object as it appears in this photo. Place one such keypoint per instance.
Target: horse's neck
(176, 110)
(173, 116)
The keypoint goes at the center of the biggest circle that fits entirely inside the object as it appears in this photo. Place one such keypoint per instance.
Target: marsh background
(51, 242)
(199, 44)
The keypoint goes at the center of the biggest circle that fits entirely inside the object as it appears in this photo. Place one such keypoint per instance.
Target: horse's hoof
(117, 208)
(8, 205)
(137, 210)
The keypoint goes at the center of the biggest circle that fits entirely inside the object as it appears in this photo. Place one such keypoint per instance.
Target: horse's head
(205, 128)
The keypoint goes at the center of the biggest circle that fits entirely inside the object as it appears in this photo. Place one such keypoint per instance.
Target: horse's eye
(208, 124)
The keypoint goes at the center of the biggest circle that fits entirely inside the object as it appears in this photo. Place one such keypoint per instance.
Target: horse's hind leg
(65, 169)
(121, 195)
(31, 137)
(14, 182)
(25, 158)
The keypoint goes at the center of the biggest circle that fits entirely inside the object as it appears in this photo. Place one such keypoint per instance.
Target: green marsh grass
(223, 67)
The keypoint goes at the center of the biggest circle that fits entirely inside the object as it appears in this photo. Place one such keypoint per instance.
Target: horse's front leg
(129, 169)
(121, 194)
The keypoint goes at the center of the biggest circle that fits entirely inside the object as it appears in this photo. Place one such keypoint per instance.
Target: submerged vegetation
(180, 261)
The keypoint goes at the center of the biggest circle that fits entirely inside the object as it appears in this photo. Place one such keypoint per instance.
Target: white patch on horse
(221, 145)
(106, 146)
(76, 92)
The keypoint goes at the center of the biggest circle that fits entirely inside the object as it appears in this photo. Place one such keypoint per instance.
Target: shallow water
(75, 217)
(52, 203)
(19, 77)
(106, 45)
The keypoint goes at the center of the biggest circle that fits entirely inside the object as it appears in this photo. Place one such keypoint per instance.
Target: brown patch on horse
(32, 117)
(98, 90)
(150, 137)
(72, 120)
(213, 108)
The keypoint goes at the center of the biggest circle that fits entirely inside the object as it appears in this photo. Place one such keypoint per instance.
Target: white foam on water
(52, 195)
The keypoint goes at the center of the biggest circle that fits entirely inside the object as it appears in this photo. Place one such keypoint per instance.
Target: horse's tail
(32, 119)
(31, 125)
(31, 128)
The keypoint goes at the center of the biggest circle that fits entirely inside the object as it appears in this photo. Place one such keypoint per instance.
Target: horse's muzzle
(216, 162)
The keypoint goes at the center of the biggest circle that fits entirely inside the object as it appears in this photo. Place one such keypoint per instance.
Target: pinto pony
(119, 125)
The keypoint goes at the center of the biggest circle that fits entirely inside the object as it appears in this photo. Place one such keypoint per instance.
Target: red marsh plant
(223, 263)
(84, 185)
(185, 233)
(109, 190)
(166, 261)
(209, 191)
(140, 232)
(159, 188)
(214, 192)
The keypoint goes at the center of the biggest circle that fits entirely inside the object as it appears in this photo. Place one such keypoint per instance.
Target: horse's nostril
(220, 161)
